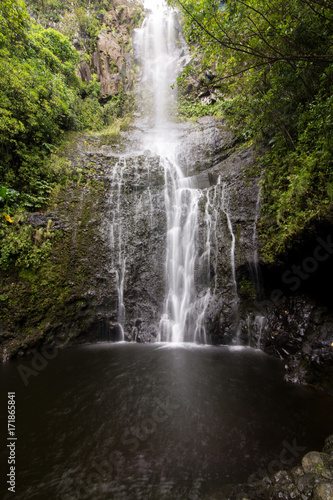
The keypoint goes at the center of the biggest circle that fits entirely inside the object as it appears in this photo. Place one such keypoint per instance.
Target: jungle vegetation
(272, 64)
(269, 62)
(42, 97)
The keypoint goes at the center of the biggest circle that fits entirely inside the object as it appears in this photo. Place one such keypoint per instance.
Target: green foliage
(8, 196)
(24, 246)
(89, 26)
(246, 289)
(38, 89)
(82, 19)
(41, 97)
(95, 117)
(274, 66)
(192, 108)
(298, 181)
(119, 105)
(13, 22)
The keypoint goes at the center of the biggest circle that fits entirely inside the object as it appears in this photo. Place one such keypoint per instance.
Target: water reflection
(128, 421)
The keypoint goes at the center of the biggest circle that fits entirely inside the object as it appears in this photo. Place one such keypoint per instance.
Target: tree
(38, 89)
(273, 62)
(14, 20)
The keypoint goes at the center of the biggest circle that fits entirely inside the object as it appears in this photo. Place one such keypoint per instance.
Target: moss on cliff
(47, 300)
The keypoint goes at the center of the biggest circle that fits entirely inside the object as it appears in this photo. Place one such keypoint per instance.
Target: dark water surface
(129, 421)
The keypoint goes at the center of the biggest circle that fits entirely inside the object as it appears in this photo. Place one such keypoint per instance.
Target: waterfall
(259, 324)
(156, 40)
(117, 238)
(172, 237)
(160, 48)
(179, 322)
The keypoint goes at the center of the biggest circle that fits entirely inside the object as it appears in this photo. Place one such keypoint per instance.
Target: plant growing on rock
(273, 62)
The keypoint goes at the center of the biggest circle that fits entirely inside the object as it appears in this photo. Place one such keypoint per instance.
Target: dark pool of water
(129, 421)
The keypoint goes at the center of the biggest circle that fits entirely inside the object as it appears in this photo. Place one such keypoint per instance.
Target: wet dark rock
(303, 482)
(314, 462)
(282, 491)
(85, 72)
(203, 145)
(282, 477)
(204, 93)
(111, 62)
(323, 491)
(297, 472)
(48, 220)
(328, 448)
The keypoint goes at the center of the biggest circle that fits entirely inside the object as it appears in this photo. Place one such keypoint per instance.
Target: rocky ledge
(312, 479)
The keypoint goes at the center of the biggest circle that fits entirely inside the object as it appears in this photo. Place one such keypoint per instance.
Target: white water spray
(157, 43)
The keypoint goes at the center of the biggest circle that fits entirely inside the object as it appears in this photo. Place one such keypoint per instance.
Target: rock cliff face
(294, 311)
(113, 60)
(102, 36)
(228, 210)
(210, 156)
(106, 277)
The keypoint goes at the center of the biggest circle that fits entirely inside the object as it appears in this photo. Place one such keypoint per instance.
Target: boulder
(314, 462)
(323, 491)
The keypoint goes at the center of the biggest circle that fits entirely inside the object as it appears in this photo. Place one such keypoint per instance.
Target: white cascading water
(182, 310)
(117, 239)
(183, 318)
